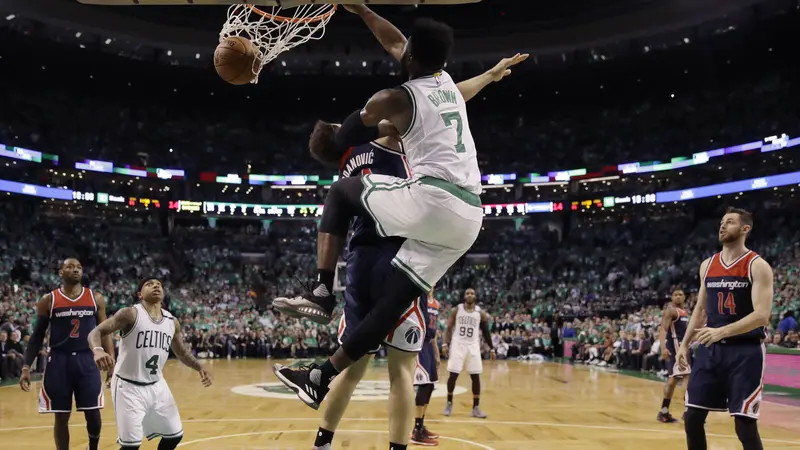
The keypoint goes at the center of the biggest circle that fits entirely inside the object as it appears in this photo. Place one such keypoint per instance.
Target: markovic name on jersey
(74, 312)
(358, 161)
(468, 321)
(442, 96)
(153, 339)
(724, 284)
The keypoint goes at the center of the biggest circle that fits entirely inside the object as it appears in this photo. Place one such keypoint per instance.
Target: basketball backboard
(281, 3)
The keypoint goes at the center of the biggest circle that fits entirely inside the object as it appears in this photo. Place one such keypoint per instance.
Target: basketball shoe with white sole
(306, 382)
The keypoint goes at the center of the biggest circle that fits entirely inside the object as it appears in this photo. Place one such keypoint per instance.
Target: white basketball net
(275, 31)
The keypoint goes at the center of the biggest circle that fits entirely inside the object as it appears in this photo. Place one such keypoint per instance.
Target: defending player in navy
(70, 312)
(735, 303)
(426, 374)
(674, 320)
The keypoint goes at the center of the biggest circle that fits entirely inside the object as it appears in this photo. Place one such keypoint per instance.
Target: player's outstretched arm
(37, 339)
(761, 273)
(387, 34)
(123, 320)
(470, 88)
(108, 340)
(184, 355)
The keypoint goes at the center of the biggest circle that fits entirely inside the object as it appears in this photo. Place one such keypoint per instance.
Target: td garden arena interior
(607, 161)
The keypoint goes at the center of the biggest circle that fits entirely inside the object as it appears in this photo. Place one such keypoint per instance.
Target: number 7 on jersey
(449, 118)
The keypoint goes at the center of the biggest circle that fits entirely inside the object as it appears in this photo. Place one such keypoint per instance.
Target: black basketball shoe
(315, 305)
(306, 382)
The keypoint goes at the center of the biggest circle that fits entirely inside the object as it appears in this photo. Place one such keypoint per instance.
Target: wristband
(98, 348)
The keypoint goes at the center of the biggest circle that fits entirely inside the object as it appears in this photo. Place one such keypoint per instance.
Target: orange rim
(277, 18)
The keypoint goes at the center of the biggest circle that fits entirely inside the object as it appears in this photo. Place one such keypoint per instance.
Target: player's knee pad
(424, 392)
(476, 383)
(747, 431)
(342, 203)
(94, 422)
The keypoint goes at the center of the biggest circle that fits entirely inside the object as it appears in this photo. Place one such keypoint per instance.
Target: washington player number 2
(76, 326)
(726, 303)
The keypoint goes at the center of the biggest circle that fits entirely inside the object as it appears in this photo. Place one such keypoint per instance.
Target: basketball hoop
(272, 33)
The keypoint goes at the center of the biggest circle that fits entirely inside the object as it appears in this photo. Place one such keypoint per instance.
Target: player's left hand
(438, 363)
(205, 377)
(707, 336)
(502, 70)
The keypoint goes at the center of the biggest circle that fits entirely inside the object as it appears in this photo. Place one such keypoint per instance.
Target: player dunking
(368, 263)
(143, 403)
(462, 346)
(735, 303)
(426, 374)
(674, 320)
(438, 211)
(71, 312)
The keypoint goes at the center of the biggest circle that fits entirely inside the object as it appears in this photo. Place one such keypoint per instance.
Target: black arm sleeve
(353, 132)
(37, 338)
(487, 335)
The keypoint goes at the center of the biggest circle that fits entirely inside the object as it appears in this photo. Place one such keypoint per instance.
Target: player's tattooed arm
(184, 355)
(182, 351)
(123, 321)
(392, 39)
(470, 88)
(699, 314)
(107, 340)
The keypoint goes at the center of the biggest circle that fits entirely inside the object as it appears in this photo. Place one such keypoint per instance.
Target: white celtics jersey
(468, 326)
(145, 349)
(439, 142)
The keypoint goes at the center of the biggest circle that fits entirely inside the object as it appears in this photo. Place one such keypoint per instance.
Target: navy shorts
(728, 377)
(368, 268)
(67, 375)
(425, 370)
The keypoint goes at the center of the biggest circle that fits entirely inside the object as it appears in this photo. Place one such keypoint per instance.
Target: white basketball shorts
(439, 219)
(465, 357)
(144, 411)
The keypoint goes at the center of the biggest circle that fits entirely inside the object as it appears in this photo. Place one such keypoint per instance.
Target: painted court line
(444, 421)
(258, 433)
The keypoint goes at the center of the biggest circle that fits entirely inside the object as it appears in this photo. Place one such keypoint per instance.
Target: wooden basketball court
(530, 406)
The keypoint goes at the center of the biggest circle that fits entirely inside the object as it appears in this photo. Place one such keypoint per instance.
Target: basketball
(236, 60)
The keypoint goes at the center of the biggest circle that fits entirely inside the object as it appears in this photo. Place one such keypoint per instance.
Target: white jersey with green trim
(438, 142)
(144, 350)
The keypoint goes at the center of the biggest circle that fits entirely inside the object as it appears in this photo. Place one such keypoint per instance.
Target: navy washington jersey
(371, 158)
(71, 320)
(729, 288)
(677, 329)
